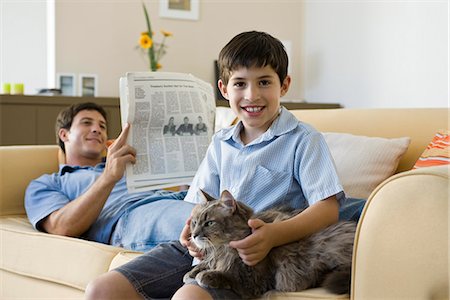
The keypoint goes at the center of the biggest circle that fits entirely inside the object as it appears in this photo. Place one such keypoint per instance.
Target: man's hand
(119, 154)
(185, 240)
(256, 246)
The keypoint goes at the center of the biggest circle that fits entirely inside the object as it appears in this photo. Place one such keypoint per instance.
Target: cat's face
(217, 222)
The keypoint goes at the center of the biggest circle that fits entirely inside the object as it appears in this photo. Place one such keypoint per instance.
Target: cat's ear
(228, 200)
(205, 196)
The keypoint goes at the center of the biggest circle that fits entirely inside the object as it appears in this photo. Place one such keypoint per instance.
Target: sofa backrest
(420, 124)
(19, 165)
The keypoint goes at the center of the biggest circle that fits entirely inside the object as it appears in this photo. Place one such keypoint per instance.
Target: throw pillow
(364, 162)
(437, 152)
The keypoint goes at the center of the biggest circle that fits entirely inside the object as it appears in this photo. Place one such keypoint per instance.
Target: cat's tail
(338, 281)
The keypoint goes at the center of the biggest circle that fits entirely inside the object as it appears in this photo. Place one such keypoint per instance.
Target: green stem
(161, 48)
(151, 51)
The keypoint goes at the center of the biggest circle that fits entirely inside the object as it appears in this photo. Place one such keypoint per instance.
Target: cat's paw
(211, 280)
(188, 278)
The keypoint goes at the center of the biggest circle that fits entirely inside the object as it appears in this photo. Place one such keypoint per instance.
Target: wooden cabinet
(293, 105)
(30, 120)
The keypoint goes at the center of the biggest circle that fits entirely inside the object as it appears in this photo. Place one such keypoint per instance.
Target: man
(186, 128)
(88, 197)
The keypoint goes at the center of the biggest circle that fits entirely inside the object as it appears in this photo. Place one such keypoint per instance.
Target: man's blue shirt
(51, 192)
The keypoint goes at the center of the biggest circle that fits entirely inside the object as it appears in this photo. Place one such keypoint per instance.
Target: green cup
(18, 88)
(6, 88)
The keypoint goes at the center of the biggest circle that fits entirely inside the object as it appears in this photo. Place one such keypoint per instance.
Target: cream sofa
(401, 246)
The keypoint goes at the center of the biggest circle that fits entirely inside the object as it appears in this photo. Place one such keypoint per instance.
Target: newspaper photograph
(172, 122)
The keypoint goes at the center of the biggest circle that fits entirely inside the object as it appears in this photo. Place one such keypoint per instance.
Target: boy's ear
(222, 88)
(285, 85)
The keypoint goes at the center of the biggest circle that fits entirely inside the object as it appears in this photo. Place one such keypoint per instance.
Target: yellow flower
(166, 33)
(155, 51)
(145, 41)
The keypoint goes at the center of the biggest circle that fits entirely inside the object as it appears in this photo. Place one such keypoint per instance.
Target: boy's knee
(111, 285)
(190, 291)
(97, 289)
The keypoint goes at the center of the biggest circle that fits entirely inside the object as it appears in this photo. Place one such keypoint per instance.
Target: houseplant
(154, 51)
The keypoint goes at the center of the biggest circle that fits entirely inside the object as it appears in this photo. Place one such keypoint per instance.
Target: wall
(360, 53)
(100, 36)
(23, 43)
(377, 53)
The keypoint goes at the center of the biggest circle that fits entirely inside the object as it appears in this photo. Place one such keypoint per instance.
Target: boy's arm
(265, 236)
(78, 215)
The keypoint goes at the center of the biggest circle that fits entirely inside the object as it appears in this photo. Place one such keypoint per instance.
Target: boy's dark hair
(253, 49)
(66, 116)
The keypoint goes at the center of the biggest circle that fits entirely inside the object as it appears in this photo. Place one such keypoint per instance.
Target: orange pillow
(437, 152)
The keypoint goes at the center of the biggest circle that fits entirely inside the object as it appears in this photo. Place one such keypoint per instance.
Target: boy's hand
(256, 246)
(185, 240)
(118, 155)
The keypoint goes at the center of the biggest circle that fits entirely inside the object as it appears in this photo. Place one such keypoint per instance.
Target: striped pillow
(437, 152)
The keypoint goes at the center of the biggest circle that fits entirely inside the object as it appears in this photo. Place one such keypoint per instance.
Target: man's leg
(155, 274)
(351, 210)
(150, 224)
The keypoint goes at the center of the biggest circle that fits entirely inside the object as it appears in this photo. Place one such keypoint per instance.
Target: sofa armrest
(401, 246)
(19, 165)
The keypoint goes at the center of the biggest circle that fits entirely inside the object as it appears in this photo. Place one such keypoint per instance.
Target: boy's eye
(239, 84)
(264, 82)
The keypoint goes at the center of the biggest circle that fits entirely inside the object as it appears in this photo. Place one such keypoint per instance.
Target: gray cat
(322, 259)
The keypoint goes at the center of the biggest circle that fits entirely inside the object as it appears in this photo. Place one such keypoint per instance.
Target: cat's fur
(322, 259)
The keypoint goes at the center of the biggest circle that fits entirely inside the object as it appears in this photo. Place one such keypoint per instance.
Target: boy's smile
(254, 94)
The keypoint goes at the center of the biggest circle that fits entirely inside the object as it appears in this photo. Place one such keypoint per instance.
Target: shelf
(293, 105)
(30, 120)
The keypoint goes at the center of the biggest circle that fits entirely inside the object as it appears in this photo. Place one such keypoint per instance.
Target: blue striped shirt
(289, 164)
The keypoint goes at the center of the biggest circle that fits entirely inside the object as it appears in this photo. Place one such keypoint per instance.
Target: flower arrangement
(154, 51)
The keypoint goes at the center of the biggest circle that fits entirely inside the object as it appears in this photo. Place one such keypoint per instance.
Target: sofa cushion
(437, 152)
(68, 261)
(364, 162)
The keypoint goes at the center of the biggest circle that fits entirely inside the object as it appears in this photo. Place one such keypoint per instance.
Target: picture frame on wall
(179, 9)
(88, 85)
(66, 82)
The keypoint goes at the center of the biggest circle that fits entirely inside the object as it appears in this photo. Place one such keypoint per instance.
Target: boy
(268, 158)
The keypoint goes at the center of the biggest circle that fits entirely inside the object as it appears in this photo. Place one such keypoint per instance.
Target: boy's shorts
(159, 273)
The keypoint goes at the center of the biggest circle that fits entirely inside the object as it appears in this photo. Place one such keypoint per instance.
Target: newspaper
(172, 123)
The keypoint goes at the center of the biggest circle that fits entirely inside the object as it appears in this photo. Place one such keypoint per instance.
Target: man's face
(87, 136)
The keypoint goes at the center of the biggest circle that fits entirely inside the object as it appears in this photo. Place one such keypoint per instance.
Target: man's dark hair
(66, 116)
(253, 49)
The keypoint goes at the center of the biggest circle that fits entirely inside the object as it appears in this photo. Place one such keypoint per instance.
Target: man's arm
(77, 216)
(265, 236)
